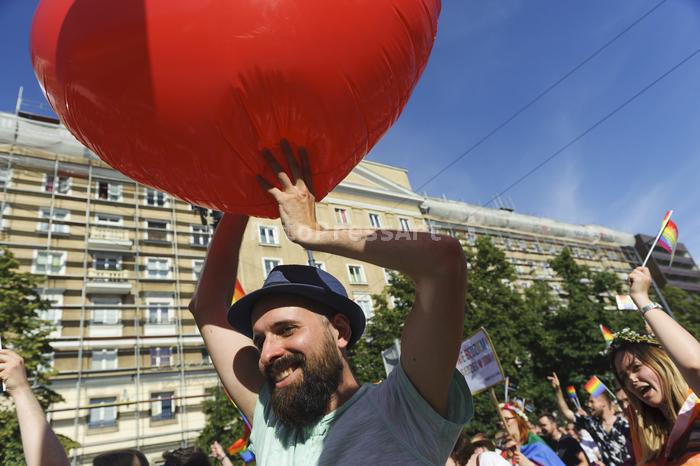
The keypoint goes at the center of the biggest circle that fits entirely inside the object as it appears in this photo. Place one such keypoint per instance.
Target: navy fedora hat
(302, 280)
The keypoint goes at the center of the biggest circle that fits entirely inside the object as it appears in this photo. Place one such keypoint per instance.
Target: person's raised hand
(554, 381)
(12, 372)
(293, 192)
(640, 282)
(217, 451)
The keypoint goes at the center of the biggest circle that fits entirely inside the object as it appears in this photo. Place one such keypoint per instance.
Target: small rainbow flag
(608, 336)
(594, 386)
(669, 236)
(238, 292)
(571, 392)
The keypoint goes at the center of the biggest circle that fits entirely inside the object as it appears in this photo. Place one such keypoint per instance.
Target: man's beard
(304, 403)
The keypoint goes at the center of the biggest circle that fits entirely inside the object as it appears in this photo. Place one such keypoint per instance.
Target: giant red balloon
(183, 94)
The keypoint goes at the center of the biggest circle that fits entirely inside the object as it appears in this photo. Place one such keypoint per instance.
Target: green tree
(24, 332)
(224, 423)
(385, 326)
(685, 307)
(576, 340)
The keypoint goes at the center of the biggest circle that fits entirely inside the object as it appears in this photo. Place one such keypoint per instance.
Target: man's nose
(270, 351)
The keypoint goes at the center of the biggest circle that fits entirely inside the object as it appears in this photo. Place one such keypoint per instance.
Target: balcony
(108, 282)
(109, 239)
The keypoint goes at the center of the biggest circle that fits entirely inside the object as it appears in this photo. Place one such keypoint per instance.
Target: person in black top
(566, 447)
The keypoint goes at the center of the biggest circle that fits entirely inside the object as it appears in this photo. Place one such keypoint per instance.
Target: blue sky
(490, 59)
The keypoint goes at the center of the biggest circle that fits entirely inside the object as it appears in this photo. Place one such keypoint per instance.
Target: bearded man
(281, 351)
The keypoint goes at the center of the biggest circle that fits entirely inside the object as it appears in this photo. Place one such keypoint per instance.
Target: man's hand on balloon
(292, 191)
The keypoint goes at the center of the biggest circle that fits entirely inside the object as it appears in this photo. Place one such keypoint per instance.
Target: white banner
(478, 362)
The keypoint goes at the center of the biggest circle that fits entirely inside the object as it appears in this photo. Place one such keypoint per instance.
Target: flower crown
(514, 408)
(628, 336)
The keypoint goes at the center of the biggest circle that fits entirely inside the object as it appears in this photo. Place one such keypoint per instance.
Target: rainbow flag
(240, 445)
(571, 392)
(608, 336)
(594, 386)
(238, 292)
(669, 236)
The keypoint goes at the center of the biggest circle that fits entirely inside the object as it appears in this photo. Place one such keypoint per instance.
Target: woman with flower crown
(661, 377)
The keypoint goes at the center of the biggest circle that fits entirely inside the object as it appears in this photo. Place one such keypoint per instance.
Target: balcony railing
(108, 281)
(109, 238)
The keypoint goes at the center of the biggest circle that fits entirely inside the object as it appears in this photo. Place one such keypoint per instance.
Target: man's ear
(341, 324)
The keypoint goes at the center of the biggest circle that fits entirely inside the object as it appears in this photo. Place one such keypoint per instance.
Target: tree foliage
(685, 307)
(224, 423)
(23, 331)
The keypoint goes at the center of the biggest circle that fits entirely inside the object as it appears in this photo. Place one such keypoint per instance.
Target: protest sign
(478, 362)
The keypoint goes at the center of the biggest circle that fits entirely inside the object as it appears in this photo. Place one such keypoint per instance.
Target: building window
(200, 235)
(53, 314)
(341, 216)
(109, 220)
(104, 360)
(5, 177)
(162, 406)
(365, 302)
(107, 262)
(105, 317)
(405, 226)
(269, 264)
(160, 312)
(375, 221)
(197, 265)
(160, 357)
(387, 276)
(58, 184)
(4, 212)
(357, 275)
(155, 198)
(102, 416)
(158, 268)
(157, 230)
(56, 219)
(49, 262)
(268, 235)
(109, 191)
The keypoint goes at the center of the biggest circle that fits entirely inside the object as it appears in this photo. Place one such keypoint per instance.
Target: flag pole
(663, 226)
(3, 384)
(498, 410)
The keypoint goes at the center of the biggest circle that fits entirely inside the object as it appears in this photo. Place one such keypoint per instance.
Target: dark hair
(549, 417)
(465, 451)
(120, 458)
(191, 456)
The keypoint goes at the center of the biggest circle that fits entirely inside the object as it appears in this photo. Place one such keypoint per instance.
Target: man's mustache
(284, 362)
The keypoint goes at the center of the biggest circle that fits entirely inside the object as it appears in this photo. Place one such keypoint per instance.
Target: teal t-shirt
(384, 424)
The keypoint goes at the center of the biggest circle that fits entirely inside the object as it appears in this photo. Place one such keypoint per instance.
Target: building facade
(120, 262)
(530, 242)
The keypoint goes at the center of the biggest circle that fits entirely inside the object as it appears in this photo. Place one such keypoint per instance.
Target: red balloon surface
(182, 95)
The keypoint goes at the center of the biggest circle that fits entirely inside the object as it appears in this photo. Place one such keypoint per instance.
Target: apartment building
(530, 242)
(120, 261)
(682, 273)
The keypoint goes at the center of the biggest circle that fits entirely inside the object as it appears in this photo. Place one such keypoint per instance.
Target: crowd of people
(652, 420)
(281, 352)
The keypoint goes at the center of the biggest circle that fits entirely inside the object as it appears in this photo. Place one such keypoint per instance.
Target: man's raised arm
(433, 330)
(234, 356)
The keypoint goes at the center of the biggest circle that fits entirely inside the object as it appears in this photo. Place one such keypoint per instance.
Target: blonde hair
(653, 426)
